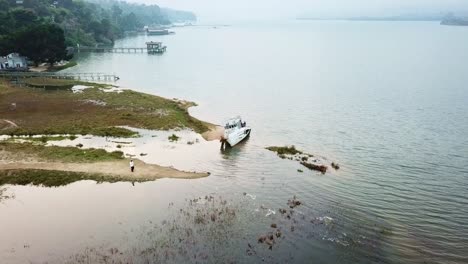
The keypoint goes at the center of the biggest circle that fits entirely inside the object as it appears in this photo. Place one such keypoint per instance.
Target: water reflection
(228, 151)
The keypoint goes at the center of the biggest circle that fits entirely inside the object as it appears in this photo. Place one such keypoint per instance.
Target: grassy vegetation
(62, 154)
(62, 67)
(173, 138)
(64, 112)
(287, 150)
(45, 139)
(47, 83)
(50, 178)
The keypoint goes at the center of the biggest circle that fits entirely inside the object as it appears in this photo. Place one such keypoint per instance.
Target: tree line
(42, 29)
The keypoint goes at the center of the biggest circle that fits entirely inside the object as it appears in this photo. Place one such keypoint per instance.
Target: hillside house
(13, 61)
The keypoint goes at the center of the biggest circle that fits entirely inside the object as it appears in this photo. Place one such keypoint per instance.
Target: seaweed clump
(286, 150)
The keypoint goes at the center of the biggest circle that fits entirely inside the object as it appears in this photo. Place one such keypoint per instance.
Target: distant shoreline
(371, 19)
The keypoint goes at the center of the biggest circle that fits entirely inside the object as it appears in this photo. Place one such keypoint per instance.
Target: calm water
(388, 101)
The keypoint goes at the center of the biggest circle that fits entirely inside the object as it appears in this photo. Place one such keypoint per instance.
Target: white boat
(235, 131)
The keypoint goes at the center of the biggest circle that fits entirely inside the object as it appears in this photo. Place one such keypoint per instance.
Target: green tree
(130, 22)
(42, 43)
(116, 12)
(4, 5)
(7, 23)
(23, 17)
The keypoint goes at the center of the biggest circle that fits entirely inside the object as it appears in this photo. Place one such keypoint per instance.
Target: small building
(3, 63)
(13, 61)
(19, 2)
(155, 47)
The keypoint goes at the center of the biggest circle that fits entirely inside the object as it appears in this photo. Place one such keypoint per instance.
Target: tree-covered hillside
(85, 23)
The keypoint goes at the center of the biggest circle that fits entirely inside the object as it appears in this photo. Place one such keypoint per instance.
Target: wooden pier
(111, 50)
(17, 76)
(151, 48)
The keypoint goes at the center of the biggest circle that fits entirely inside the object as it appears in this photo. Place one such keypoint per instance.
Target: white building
(13, 61)
(3, 61)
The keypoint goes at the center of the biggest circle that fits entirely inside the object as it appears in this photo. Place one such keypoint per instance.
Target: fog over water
(230, 10)
(386, 100)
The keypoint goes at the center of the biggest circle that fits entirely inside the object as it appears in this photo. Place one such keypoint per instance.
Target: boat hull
(236, 137)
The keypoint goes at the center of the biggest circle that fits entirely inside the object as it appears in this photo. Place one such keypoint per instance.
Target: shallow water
(388, 101)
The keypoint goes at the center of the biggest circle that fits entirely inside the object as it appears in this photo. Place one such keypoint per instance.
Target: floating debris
(253, 197)
(250, 251)
(336, 166)
(293, 202)
(270, 212)
(267, 239)
(278, 233)
(322, 220)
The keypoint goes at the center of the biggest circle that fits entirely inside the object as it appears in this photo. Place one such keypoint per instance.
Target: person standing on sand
(132, 165)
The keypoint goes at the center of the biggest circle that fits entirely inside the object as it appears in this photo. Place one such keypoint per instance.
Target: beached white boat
(235, 131)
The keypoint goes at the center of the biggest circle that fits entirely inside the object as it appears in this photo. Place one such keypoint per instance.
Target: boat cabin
(234, 123)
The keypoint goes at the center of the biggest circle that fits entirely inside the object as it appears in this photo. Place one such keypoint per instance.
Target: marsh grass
(41, 112)
(62, 154)
(45, 139)
(51, 178)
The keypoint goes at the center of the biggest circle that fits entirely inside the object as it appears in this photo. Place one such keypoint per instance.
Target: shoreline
(155, 113)
(114, 169)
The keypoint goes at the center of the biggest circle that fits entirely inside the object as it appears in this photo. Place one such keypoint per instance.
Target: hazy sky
(269, 9)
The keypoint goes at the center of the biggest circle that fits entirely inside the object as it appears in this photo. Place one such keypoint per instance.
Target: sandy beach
(215, 133)
(120, 168)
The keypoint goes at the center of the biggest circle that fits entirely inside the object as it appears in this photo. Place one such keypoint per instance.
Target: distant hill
(452, 20)
(178, 16)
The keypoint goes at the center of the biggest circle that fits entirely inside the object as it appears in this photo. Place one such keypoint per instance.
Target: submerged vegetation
(310, 166)
(4, 196)
(287, 150)
(305, 159)
(95, 111)
(212, 229)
